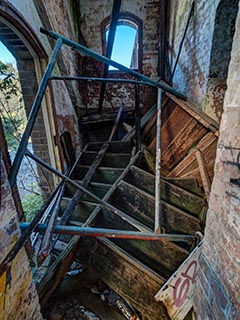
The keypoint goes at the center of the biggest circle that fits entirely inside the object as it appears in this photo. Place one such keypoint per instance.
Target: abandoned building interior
(133, 130)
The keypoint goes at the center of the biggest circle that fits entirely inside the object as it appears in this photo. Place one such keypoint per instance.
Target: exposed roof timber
(110, 41)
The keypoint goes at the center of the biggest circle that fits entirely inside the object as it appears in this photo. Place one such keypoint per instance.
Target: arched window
(127, 46)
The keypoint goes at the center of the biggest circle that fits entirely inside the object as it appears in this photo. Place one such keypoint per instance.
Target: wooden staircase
(135, 269)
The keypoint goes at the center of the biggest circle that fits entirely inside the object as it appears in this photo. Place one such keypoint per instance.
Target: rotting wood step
(97, 188)
(114, 146)
(171, 193)
(141, 206)
(162, 256)
(113, 160)
(81, 212)
(131, 279)
(102, 174)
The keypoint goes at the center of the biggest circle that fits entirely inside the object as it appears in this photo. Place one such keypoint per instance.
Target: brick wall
(93, 13)
(29, 85)
(218, 287)
(18, 296)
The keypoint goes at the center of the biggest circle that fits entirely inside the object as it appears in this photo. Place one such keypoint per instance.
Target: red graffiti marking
(182, 287)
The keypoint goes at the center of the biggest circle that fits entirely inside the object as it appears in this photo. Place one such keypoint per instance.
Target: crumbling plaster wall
(92, 15)
(18, 295)
(192, 72)
(218, 287)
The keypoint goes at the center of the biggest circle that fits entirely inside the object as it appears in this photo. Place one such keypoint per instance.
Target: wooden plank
(82, 210)
(102, 174)
(59, 268)
(150, 130)
(173, 126)
(203, 172)
(85, 182)
(128, 277)
(99, 189)
(182, 143)
(178, 292)
(163, 257)
(114, 146)
(140, 205)
(207, 146)
(199, 115)
(143, 122)
(170, 193)
(114, 160)
(188, 184)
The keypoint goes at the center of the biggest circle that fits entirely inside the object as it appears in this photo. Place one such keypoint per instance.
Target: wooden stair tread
(104, 175)
(116, 160)
(114, 146)
(130, 278)
(99, 189)
(141, 206)
(175, 195)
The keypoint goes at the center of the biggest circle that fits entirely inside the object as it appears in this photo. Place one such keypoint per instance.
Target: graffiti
(183, 284)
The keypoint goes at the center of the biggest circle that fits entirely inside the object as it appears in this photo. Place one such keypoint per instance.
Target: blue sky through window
(123, 45)
(6, 56)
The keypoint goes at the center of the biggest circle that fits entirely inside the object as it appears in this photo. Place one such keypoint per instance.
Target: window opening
(13, 116)
(125, 46)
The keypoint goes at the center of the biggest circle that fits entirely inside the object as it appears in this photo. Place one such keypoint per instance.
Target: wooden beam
(203, 172)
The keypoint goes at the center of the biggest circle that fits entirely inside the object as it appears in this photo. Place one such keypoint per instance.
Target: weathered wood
(128, 277)
(116, 123)
(86, 180)
(203, 172)
(188, 184)
(143, 122)
(81, 212)
(164, 257)
(170, 193)
(114, 146)
(137, 117)
(102, 174)
(173, 125)
(140, 206)
(150, 158)
(190, 134)
(106, 117)
(150, 129)
(114, 160)
(58, 269)
(99, 189)
(196, 113)
(188, 167)
(183, 280)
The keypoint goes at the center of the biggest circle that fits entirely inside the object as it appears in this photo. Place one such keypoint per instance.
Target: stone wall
(218, 288)
(18, 295)
(92, 15)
